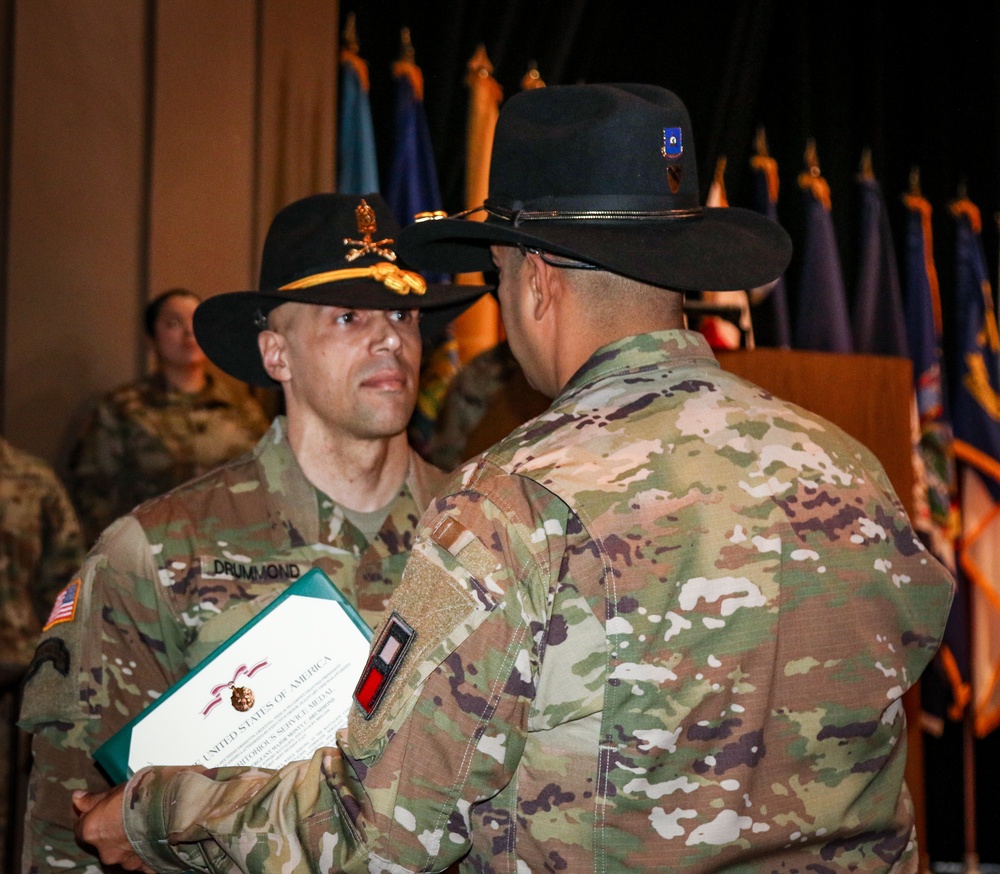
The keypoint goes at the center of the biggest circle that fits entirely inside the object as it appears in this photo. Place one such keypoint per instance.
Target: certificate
(273, 693)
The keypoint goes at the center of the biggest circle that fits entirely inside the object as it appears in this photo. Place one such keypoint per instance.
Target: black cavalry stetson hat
(331, 250)
(605, 174)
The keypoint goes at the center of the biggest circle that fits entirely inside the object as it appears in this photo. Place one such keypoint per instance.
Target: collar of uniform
(162, 394)
(288, 491)
(641, 352)
(396, 533)
(292, 501)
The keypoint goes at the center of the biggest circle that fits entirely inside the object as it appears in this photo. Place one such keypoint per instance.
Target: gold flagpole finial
(811, 179)
(720, 169)
(480, 63)
(350, 35)
(532, 78)
(914, 181)
(406, 52)
(760, 142)
(811, 157)
(865, 170)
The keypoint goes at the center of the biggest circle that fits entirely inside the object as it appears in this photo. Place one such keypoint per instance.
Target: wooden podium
(870, 397)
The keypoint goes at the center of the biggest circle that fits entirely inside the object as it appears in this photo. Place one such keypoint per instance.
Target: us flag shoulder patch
(64, 608)
(383, 664)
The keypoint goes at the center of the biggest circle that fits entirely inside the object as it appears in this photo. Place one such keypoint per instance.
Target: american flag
(65, 605)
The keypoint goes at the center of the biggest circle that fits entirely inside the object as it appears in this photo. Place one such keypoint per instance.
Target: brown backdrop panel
(75, 211)
(203, 151)
(297, 121)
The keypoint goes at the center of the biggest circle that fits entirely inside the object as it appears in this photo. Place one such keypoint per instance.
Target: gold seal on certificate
(242, 698)
(303, 653)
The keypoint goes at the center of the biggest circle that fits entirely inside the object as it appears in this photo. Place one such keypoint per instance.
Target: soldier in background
(487, 399)
(142, 439)
(40, 547)
(665, 625)
(334, 484)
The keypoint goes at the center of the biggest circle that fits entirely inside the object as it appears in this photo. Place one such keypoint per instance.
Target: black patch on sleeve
(53, 650)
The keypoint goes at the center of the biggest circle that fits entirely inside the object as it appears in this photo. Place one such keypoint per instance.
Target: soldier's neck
(189, 380)
(361, 474)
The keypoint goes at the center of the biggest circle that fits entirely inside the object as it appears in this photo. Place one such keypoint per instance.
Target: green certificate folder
(273, 693)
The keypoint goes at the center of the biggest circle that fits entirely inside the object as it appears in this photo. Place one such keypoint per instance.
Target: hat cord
(517, 216)
(391, 276)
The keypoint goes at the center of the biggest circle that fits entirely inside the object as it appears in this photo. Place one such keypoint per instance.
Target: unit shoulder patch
(383, 664)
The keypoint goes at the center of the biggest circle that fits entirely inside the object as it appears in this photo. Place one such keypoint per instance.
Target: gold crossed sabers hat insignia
(367, 228)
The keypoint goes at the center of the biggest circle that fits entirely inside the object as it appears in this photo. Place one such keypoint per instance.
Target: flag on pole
(772, 325)
(721, 332)
(879, 323)
(479, 328)
(822, 322)
(412, 188)
(412, 183)
(937, 512)
(946, 689)
(357, 167)
(976, 423)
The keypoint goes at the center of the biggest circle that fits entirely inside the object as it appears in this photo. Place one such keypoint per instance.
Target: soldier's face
(173, 333)
(356, 370)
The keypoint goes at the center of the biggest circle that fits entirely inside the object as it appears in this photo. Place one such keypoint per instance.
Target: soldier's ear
(543, 284)
(274, 355)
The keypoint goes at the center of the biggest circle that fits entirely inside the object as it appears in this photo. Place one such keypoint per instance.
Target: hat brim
(714, 249)
(226, 328)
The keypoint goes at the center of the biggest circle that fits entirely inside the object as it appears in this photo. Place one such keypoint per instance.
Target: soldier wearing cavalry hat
(336, 322)
(664, 625)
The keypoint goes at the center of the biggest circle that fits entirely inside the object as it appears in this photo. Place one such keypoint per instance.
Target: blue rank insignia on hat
(383, 663)
(673, 147)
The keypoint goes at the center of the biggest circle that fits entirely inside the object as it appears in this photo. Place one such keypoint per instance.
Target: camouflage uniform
(169, 582)
(143, 439)
(664, 626)
(40, 547)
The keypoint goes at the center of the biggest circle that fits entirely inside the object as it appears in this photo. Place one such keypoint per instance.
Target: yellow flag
(479, 328)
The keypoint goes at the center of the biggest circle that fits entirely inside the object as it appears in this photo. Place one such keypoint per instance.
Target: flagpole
(969, 738)
(968, 722)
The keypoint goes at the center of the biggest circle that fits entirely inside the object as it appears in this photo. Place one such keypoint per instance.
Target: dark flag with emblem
(772, 325)
(944, 690)
(879, 323)
(822, 322)
(976, 404)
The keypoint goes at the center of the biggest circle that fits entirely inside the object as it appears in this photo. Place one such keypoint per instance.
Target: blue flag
(879, 323)
(412, 183)
(357, 167)
(976, 404)
(822, 323)
(771, 323)
(411, 188)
